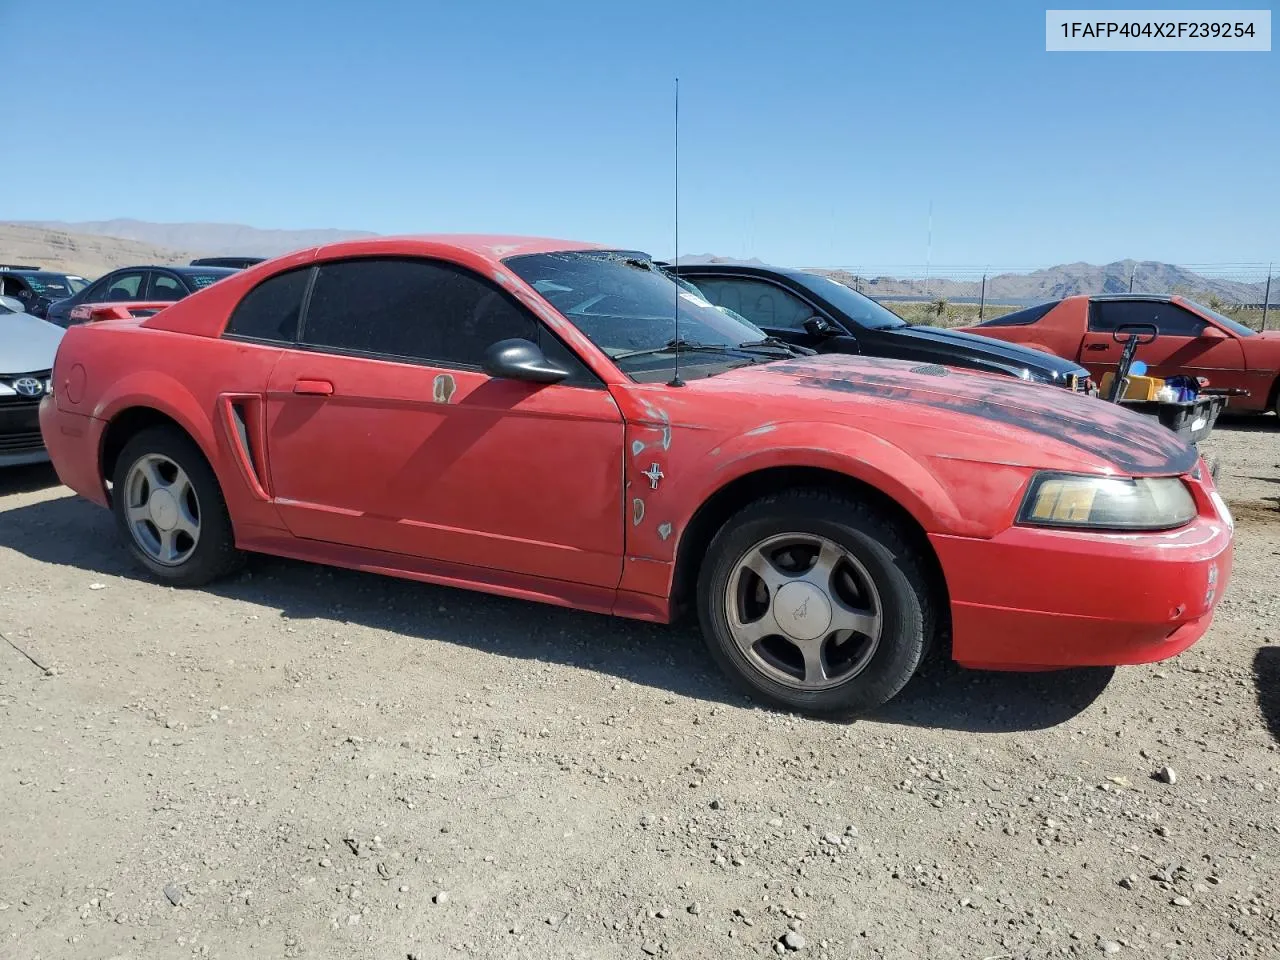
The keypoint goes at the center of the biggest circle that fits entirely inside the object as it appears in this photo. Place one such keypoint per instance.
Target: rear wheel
(169, 506)
(816, 602)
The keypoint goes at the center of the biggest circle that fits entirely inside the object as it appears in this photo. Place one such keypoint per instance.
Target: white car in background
(27, 348)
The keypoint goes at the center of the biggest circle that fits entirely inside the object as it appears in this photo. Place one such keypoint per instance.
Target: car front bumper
(20, 439)
(1040, 599)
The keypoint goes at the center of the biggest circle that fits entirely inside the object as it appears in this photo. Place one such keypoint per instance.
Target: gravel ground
(305, 762)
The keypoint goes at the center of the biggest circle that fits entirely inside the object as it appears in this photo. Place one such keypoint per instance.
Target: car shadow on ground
(1266, 681)
(1248, 422)
(71, 531)
(25, 479)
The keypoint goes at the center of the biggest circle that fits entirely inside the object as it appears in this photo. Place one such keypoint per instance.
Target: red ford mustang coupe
(502, 414)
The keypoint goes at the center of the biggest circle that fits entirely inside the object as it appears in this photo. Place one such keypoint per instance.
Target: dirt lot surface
(305, 762)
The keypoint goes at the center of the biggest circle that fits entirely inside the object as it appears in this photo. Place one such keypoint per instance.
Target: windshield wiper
(778, 344)
(686, 346)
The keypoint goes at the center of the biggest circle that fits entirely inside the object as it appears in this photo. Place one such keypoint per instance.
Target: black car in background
(238, 263)
(139, 283)
(36, 289)
(814, 311)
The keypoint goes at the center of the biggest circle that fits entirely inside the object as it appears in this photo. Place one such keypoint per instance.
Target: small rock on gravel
(1167, 775)
(173, 893)
(441, 898)
(1128, 883)
(793, 940)
(1109, 946)
(695, 908)
(651, 948)
(1181, 902)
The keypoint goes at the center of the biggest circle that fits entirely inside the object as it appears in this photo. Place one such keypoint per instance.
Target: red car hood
(938, 411)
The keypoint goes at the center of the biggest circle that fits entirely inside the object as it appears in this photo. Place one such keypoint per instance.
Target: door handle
(1097, 346)
(313, 388)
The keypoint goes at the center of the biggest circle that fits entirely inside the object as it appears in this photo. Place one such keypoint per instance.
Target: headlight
(1106, 503)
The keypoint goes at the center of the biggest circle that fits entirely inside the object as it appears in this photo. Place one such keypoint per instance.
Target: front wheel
(816, 602)
(169, 506)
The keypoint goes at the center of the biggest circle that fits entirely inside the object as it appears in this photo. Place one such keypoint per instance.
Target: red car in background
(503, 414)
(1192, 340)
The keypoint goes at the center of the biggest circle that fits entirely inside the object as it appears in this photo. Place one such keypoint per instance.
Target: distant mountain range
(204, 238)
(1066, 280)
(78, 253)
(92, 248)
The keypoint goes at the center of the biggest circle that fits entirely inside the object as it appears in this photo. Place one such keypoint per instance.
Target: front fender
(660, 517)
(843, 449)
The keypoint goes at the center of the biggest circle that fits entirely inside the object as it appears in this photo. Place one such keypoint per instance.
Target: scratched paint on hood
(1130, 441)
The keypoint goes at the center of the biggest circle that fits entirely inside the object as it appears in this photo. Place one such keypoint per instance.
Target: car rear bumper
(1033, 599)
(73, 442)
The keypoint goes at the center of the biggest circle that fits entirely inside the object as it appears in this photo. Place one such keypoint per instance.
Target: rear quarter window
(270, 311)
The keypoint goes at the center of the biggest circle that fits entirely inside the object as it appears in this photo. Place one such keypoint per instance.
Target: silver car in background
(27, 348)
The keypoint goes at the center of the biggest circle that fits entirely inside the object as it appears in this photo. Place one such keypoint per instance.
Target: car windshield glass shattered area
(626, 305)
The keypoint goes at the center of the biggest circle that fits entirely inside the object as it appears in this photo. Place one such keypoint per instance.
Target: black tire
(215, 554)
(907, 601)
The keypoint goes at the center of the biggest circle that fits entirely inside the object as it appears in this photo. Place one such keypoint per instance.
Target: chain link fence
(952, 296)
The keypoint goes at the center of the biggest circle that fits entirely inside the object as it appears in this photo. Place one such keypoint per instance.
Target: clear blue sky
(812, 133)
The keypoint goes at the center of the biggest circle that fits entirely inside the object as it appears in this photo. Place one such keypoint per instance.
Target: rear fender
(167, 395)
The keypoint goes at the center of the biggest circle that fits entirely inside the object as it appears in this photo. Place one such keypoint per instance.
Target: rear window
(1021, 317)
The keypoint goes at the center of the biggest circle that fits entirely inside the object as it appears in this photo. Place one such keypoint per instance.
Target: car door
(775, 310)
(384, 432)
(1185, 344)
(164, 286)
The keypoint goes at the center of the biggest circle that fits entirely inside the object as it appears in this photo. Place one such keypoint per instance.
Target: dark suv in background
(37, 289)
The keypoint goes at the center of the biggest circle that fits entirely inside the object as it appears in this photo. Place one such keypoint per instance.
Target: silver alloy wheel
(162, 509)
(804, 611)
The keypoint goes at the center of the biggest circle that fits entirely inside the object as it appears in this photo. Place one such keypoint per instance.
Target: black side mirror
(518, 359)
(821, 327)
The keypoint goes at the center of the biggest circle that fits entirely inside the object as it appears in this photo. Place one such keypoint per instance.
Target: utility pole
(928, 251)
(1266, 298)
(982, 298)
(1132, 274)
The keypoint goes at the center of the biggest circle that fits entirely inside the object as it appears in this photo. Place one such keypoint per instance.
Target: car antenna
(675, 260)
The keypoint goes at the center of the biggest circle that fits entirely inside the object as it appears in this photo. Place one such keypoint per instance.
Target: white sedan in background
(27, 348)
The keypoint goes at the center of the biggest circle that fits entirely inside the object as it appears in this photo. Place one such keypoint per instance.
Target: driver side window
(1168, 318)
(767, 306)
(422, 311)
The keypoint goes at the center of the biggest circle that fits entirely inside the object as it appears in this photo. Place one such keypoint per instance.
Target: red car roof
(489, 246)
